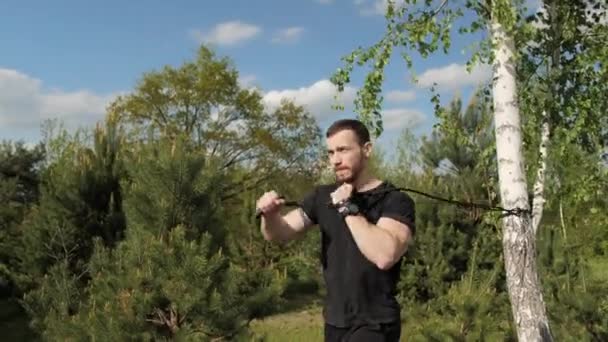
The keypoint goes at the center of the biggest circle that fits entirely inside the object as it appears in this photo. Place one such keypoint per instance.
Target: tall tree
(519, 241)
(183, 148)
(20, 169)
(20, 176)
(203, 99)
(80, 201)
(428, 29)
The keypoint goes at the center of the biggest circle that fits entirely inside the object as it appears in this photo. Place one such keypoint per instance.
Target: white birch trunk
(519, 243)
(538, 201)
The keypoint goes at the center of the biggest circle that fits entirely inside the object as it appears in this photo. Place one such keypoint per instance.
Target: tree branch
(161, 113)
(445, 2)
(236, 159)
(258, 181)
(246, 188)
(235, 151)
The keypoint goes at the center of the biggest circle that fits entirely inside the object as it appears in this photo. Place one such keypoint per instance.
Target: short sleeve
(401, 207)
(309, 205)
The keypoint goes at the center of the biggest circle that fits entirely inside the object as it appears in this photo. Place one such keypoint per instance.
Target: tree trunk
(539, 185)
(519, 242)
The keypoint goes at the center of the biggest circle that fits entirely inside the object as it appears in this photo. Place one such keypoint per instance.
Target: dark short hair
(354, 125)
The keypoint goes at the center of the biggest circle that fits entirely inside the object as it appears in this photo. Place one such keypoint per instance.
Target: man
(366, 225)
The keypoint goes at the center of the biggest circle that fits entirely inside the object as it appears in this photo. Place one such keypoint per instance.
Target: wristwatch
(348, 208)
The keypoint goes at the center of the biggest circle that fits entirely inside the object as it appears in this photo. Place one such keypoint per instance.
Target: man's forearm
(274, 228)
(376, 244)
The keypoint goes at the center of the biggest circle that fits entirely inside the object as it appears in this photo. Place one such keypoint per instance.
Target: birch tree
(519, 243)
(515, 49)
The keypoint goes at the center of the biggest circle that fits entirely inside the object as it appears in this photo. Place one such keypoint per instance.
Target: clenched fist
(269, 203)
(342, 193)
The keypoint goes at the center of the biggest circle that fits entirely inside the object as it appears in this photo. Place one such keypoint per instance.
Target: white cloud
(288, 35)
(375, 7)
(325, 2)
(400, 118)
(400, 96)
(316, 98)
(24, 103)
(454, 76)
(247, 81)
(227, 33)
(319, 96)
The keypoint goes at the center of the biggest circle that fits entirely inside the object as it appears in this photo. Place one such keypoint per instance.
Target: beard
(352, 175)
(353, 172)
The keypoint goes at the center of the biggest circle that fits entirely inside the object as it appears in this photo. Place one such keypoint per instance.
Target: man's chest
(333, 224)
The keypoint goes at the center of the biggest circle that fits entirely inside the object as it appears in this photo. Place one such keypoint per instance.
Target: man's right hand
(269, 203)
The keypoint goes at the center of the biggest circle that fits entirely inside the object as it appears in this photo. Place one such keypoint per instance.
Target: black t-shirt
(357, 290)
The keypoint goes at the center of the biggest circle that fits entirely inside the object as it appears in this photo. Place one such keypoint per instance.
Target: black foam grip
(258, 211)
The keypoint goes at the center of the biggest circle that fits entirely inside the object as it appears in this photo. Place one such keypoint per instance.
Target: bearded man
(366, 225)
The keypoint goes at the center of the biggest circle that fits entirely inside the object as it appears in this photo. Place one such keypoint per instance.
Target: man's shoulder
(398, 195)
(392, 198)
(393, 192)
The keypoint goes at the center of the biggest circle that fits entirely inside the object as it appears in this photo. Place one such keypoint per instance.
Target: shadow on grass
(301, 295)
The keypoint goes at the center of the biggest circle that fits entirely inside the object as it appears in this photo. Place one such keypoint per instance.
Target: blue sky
(68, 59)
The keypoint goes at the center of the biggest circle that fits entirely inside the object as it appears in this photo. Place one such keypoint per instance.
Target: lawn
(305, 326)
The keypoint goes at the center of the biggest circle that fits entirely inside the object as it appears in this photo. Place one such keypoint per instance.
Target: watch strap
(347, 208)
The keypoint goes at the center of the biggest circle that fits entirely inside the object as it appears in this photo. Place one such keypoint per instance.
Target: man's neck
(366, 182)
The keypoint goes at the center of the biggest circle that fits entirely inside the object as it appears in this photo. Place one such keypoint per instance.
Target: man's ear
(367, 149)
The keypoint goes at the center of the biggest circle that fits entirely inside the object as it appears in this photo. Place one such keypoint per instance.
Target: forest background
(143, 226)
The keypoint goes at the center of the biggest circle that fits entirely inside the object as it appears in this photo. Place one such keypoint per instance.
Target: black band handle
(258, 211)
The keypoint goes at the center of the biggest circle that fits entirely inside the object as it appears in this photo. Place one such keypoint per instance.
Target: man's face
(347, 158)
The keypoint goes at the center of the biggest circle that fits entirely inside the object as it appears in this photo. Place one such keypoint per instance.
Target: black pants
(389, 332)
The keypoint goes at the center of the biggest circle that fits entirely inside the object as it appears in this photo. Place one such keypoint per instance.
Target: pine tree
(20, 169)
(298, 260)
(172, 278)
(454, 163)
(19, 180)
(452, 282)
(472, 309)
(80, 200)
(164, 287)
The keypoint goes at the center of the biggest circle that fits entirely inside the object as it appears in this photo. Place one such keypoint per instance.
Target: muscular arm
(383, 243)
(284, 228)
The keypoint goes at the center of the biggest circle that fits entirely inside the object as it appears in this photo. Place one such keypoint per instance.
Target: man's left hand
(342, 193)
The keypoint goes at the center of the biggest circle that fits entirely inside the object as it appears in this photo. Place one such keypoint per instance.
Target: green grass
(305, 326)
